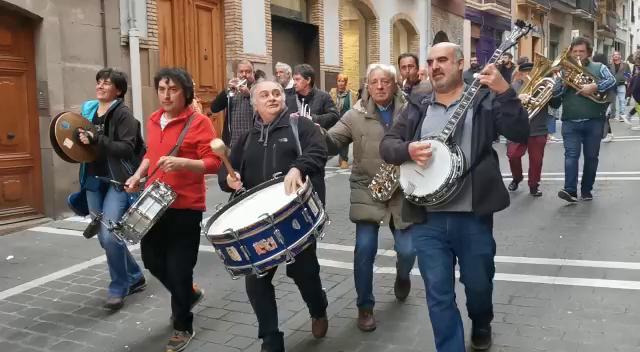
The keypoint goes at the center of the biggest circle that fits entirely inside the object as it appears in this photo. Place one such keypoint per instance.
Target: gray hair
(255, 87)
(284, 66)
(387, 69)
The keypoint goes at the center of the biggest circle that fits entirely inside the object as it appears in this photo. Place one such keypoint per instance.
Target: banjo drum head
(428, 179)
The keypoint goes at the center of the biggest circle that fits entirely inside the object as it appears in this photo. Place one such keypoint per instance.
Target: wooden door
(20, 174)
(192, 36)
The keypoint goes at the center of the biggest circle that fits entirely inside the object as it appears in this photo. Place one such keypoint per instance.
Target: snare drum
(264, 227)
(144, 213)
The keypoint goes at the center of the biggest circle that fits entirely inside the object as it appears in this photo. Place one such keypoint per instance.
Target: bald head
(445, 64)
(457, 49)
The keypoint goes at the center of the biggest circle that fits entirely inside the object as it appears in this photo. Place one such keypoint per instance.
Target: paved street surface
(568, 279)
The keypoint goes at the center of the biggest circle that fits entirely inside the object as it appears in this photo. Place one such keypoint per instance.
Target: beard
(475, 67)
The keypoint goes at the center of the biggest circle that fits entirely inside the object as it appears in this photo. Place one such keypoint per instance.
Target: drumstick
(221, 150)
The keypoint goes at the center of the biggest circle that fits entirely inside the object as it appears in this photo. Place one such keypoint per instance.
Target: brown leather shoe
(401, 288)
(366, 320)
(319, 327)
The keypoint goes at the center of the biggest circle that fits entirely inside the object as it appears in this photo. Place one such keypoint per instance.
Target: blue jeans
(551, 124)
(365, 255)
(583, 135)
(441, 240)
(621, 100)
(123, 268)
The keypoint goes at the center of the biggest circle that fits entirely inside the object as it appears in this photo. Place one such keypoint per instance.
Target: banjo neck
(467, 98)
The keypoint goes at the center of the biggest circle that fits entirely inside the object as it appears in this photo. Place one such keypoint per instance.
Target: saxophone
(385, 183)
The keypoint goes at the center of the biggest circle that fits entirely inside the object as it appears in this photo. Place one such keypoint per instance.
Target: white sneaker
(608, 138)
(625, 120)
(619, 119)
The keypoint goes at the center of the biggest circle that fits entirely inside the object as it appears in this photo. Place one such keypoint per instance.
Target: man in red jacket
(170, 248)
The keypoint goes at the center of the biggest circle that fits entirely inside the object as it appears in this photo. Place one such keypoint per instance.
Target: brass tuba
(539, 87)
(575, 76)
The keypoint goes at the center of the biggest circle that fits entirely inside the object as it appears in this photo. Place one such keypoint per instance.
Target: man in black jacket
(462, 229)
(319, 103)
(270, 147)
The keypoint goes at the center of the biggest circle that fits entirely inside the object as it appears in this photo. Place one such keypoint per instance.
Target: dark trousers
(169, 252)
(515, 152)
(577, 136)
(305, 272)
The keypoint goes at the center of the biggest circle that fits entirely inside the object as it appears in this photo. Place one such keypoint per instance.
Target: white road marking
(552, 280)
(54, 276)
(515, 260)
(55, 230)
(392, 253)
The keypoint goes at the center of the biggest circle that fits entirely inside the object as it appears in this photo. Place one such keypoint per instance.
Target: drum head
(246, 209)
(62, 134)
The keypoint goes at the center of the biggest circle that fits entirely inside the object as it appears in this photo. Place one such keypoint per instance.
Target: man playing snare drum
(170, 248)
(272, 147)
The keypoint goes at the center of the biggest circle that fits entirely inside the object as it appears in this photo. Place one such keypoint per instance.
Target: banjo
(444, 176)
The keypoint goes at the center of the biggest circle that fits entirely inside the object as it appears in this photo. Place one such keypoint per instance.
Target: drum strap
(293, 121)
(176, 147)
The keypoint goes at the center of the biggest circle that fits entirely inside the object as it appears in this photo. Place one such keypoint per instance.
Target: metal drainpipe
(104, 33)
(134, 58)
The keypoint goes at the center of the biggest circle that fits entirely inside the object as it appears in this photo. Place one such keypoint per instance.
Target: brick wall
(151, 41)
(447, 22)
(350, 53)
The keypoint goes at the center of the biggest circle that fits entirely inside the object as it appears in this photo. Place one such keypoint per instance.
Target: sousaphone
(63, 135)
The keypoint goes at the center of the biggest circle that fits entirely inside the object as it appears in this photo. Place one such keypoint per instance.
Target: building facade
(486, 22)
(50, 52)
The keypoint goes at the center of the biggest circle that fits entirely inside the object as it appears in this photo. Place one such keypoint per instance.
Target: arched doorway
(360, 39)
(440, 37)
(404, 37)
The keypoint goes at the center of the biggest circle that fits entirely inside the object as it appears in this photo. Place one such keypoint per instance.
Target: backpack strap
(293, 122)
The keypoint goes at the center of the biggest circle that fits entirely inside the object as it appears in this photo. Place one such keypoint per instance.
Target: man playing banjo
(170, 248)
(279, 144)
(461, 229)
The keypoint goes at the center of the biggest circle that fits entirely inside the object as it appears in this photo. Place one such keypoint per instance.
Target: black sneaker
(114, 303)
(569, 197)
(179, 340)
(138, 286)
(513, 185)
(587, 196)
(535, 192)
(481, 339)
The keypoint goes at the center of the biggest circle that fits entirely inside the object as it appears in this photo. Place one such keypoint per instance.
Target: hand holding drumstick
(221, 150)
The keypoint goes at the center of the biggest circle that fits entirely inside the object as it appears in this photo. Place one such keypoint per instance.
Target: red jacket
(189, 186)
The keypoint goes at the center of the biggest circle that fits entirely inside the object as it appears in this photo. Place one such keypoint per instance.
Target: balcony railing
(585, 9)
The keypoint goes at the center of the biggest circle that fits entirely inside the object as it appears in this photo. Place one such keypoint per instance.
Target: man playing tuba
(582, 119)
